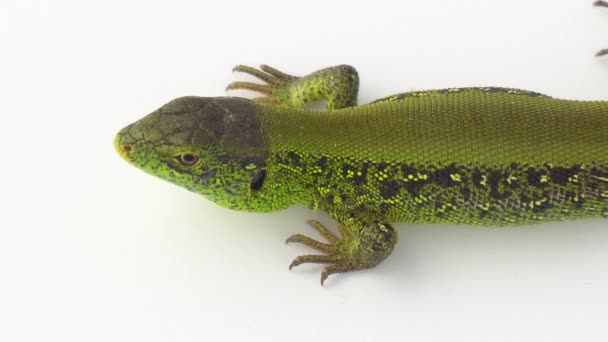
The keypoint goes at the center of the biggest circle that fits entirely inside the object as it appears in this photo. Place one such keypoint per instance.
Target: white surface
(92, 249)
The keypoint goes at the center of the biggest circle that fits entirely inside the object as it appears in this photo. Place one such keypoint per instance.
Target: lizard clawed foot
(276, 81)
(366, 248)
(334, 255)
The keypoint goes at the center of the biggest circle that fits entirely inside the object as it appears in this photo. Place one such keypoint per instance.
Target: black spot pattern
(453, 192)
(389, 188)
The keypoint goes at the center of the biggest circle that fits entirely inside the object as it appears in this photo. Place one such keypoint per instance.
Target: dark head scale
(212, 146)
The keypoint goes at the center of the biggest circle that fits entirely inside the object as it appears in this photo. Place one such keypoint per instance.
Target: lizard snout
(121, 147)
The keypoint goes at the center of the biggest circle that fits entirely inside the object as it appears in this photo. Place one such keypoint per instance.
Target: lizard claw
(601, 3)
(601, 53)
(275, 87)
(335, 253)
(359, 246)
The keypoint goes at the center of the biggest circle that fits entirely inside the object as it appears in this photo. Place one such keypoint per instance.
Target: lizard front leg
(338, 86)
(361, 245)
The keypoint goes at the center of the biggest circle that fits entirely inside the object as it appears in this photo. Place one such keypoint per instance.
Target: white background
(92, 249)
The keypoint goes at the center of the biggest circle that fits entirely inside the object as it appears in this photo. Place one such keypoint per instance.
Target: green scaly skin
(481, 156)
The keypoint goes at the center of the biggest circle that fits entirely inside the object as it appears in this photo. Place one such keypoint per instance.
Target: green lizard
(480, 156)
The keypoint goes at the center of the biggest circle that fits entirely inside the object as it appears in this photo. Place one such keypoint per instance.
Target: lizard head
(212, 146)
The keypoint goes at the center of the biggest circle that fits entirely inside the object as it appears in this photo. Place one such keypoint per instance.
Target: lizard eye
(187, 159)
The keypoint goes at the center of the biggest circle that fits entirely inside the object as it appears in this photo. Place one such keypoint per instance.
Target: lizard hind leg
(359, 246)
(601, 3)
(338, 86)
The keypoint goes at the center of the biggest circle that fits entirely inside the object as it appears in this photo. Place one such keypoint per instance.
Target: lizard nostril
(127, 148)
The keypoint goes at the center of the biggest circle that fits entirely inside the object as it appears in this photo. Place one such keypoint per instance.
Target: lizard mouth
(123, 150)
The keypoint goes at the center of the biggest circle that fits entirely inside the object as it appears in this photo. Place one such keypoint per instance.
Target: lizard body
(480, 156)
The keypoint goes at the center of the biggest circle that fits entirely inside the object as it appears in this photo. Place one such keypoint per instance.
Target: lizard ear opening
(258, 180)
